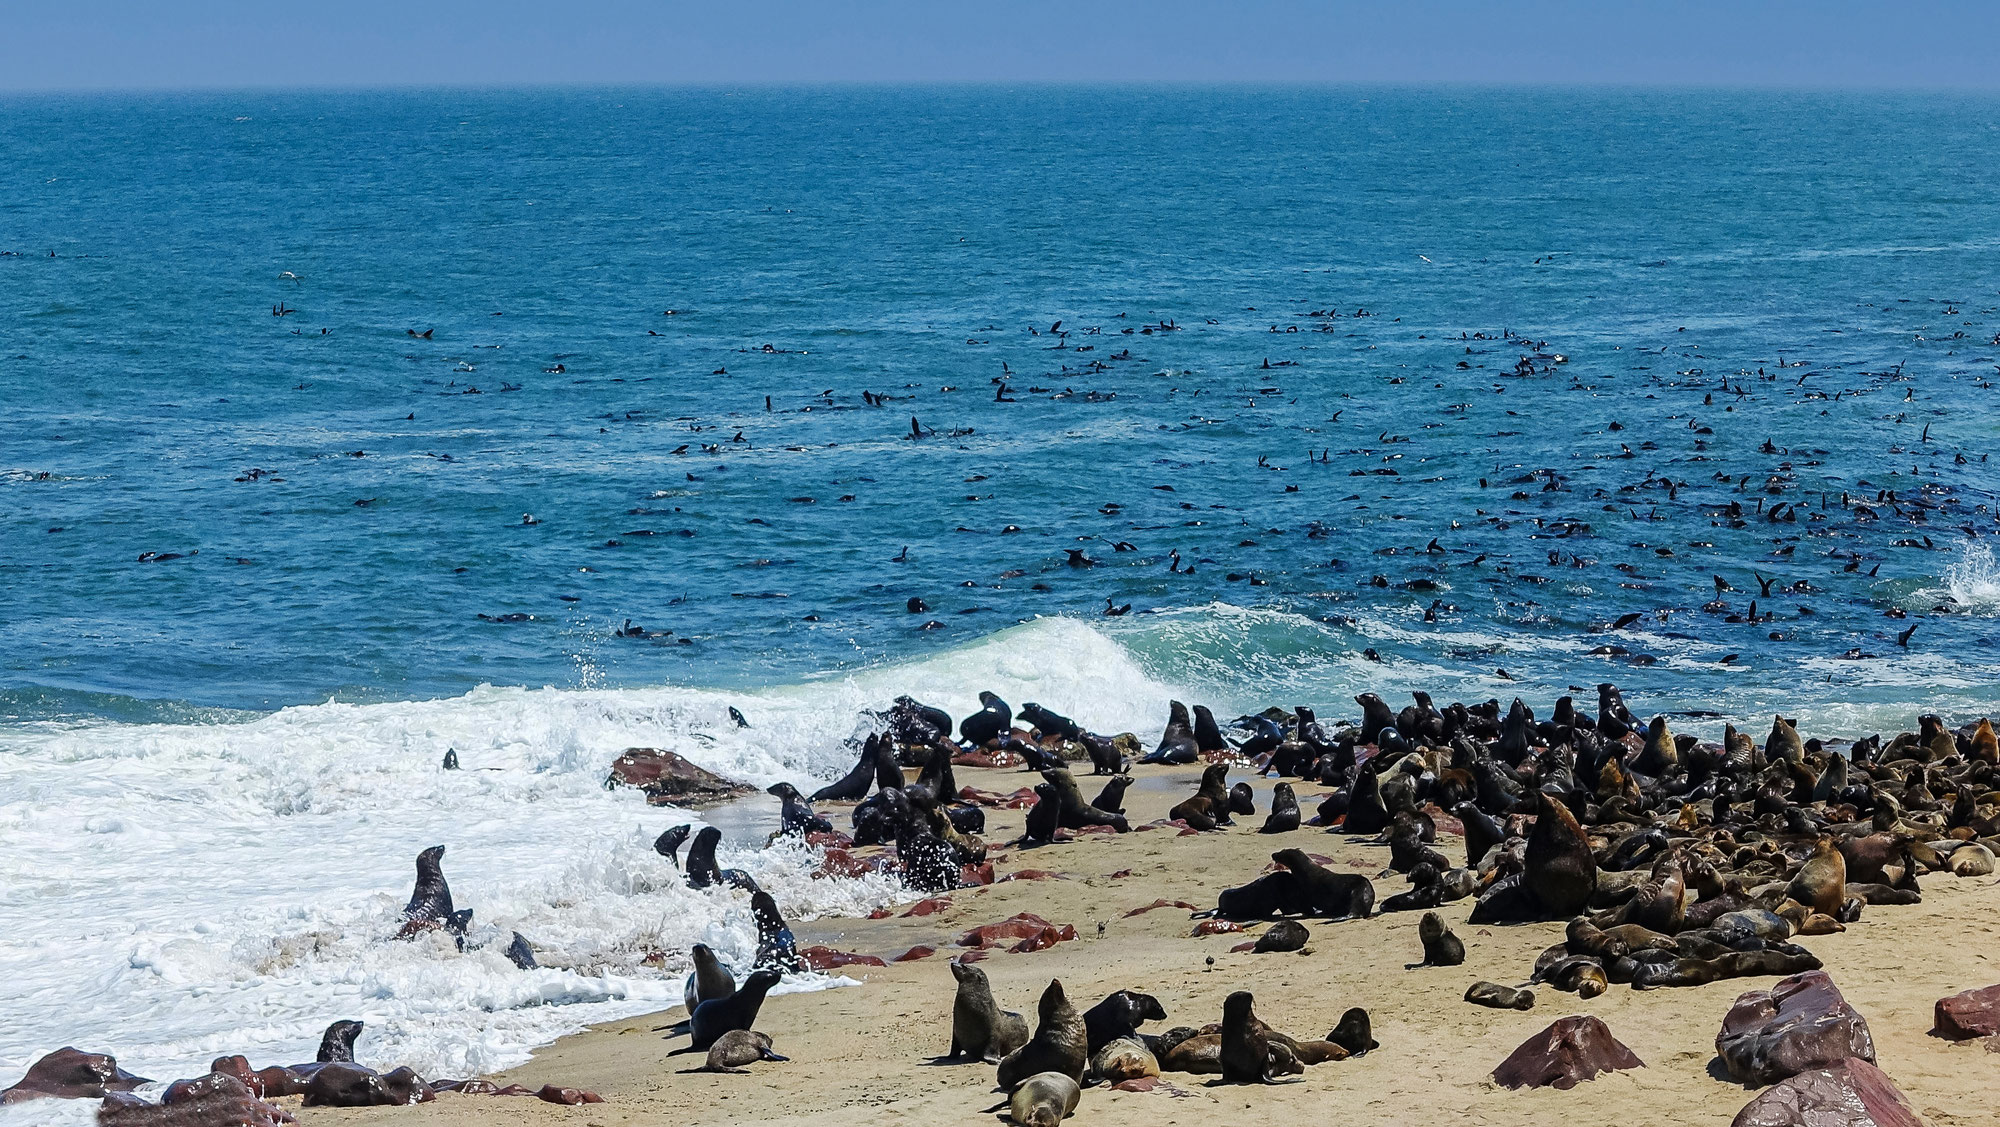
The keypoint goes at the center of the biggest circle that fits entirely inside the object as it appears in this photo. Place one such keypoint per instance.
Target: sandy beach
(865, 1054)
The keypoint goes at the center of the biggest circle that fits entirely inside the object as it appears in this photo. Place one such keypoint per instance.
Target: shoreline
(864, 1054)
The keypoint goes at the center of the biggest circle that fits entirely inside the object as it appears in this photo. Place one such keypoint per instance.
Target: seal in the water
(796, 817)
(337, 1043)
(1177, 745)
(1284, 815)
(521, 953)
(1355, 1032)
(993, 720)
(1250, 1054)
(1042, 1100)
(712, 1019)
(737, 1048)
(1337, 896)
(1441, 947)
(702, 870)
(1119, 1015)
(430, 901)
(1496, 996)
(980, 1029)
(1059, 1044)
(708, 980)
(668, 844)
(451, 759)
(775, 947)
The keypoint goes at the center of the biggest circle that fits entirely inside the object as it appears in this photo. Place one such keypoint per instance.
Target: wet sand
(865, 1054)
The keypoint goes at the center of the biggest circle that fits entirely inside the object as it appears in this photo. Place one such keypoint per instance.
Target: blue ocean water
(344, 428)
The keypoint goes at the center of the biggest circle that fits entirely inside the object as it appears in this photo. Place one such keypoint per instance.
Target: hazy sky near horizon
(145, 44)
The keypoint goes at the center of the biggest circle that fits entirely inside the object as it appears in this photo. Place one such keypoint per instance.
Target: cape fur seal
(980, 1029)
(1059, 1044)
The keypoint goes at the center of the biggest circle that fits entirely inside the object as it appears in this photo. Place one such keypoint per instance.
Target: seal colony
(1497, 860)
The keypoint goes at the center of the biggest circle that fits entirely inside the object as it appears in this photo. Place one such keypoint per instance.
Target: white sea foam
(176, 892)
(1971, 580)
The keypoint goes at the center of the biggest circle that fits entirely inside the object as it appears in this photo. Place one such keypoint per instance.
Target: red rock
(980, 874)
(239, 1067)
(879, 914)
(1083, 830)
(928, 906)
(1800, 1023)
(1043, 939)
(920, 951)
(1242, 947)
(835, 840)
(840, 863)
(668, 778)
(1161, 904)
(974, 955)
(1969, 1014)
(1572, 1050)
(278, 1080)
(1216, 927)
(1035, 874)
(826, 958)
(985, 758)
(572, 1096)
(1018, 800)
(72, 1074)
(1853, 1093)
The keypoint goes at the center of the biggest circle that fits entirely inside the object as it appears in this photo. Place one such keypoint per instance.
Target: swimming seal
(1441, 947)
(1059, 1044)
(1284, 815)
(1118, 1016)
(708, 980)
(737, 1048)
(775, 947)
(1249, 1054)
(1335, 896)
(1043, 1100)
(712, 1019)
(430, 901)
(980, 1029)
(668, 844)
(701, 867)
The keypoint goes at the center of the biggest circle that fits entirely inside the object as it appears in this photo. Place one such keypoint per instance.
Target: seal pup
(1355, 1032)
(714, 1018)
(1059, 1044)
(1441, 947)
(796, 817)
(668, 844)
(1126, 1058)
(775, 946)
(1336, 896)
(735, 1049)
(1284, 815)
(1042, 1100)
(1111, 799)
(1495, 996)
(1283, 937)
(980, 1029)
(430, 901)
(1249, 1053)
(708, 980)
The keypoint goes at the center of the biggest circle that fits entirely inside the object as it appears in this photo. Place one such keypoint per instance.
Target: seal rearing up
(980, 1029)
(431, 899)
(1059, 1044)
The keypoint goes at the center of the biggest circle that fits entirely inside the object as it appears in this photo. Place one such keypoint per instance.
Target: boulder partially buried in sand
(72, 1074)
(668, 779)
(1968, 1014)
(1564, 1055)
(1854, 1094)
(1801, 1023)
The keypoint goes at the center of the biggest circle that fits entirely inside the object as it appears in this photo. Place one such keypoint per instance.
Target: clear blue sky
(161, 44)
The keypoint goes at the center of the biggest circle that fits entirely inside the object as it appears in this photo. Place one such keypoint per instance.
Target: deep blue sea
(344, 428)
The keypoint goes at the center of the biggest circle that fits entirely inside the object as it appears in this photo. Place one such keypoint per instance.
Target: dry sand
(864, 1054)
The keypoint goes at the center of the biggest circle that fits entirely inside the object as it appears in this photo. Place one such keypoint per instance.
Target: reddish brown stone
(1969, 1014)
(835, 840)
(826, 958)
(239, 1067)
(1242, 947)
(1216, 927)
(980, 874)
(1572, 1050)
(984, 758)
(1016, 932)
(668, 778)
(550, 1093)
(1138, 1084)
(1852, 1094)
(928, 906)
(1161, 904)
(72, 1074)
(1037, 874)
(920, 951)
(840, 863)
(1798, 1024)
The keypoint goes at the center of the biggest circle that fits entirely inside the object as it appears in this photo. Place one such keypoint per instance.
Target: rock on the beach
(1801, 1023)
(1969, 1014)
(346, 1084)
(72, 1074)
(826, 958)
(1572, 1050)
(1852, 1094)
(667, 778)
(1019, 933)
(216, 1100)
